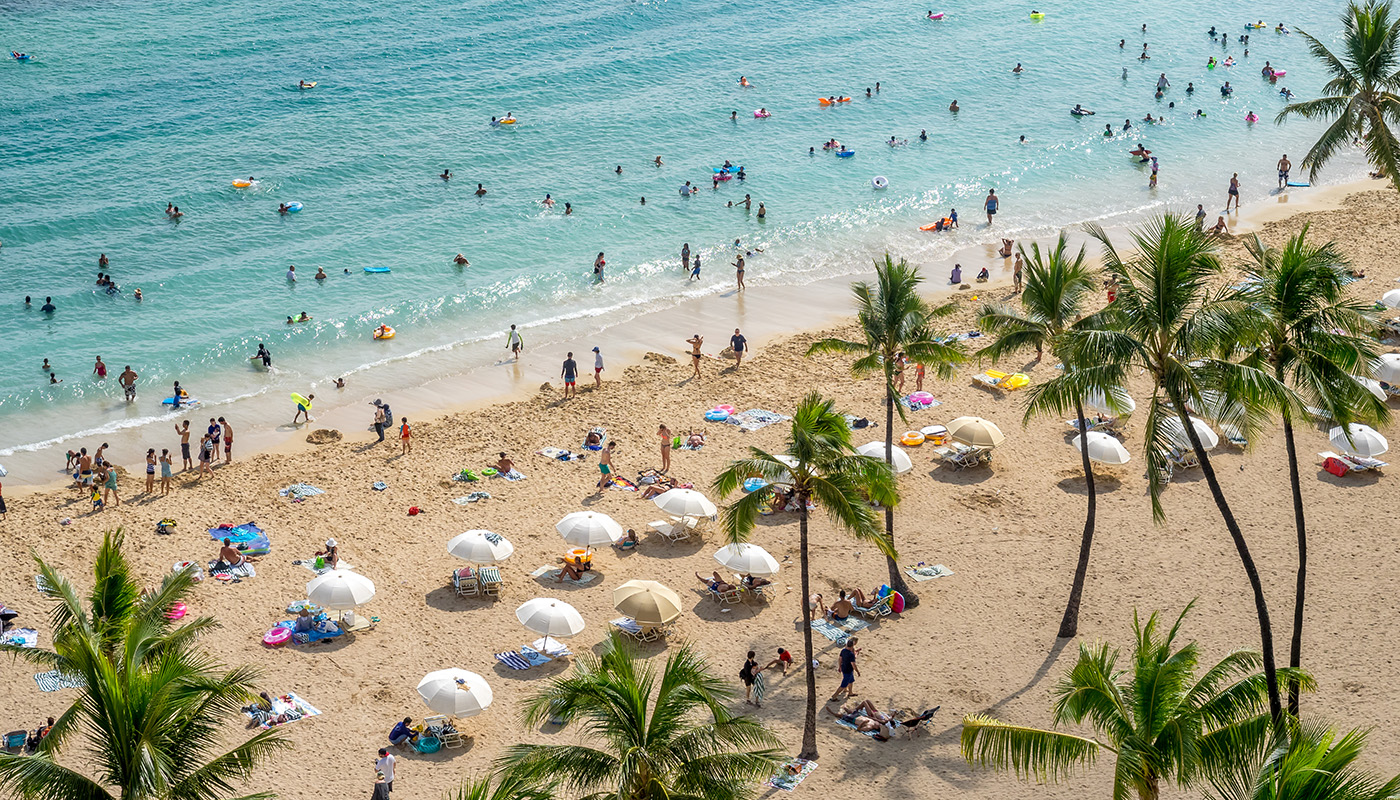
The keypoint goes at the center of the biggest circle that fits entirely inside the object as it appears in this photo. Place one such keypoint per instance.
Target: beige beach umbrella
(1176, 434)
(747, 559)
(1365, 440)
(648, 602)
(340, 589)
(1103, 448)
(976, 431)
(900, 460)
(1391, 298)
(553, 618)
(480, 547)
(589, 528)
(685, 503)
(1388, 368)
(455, 692)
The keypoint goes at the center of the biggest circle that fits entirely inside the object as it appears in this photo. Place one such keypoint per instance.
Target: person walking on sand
(748, 674)
(605, 467)
(304, 409)
(164, 472)
(385, 766)
(109, 485)
(666, 438)
(228, 440)
(597, 368)
(569, 373)
(1234, 193)
(738, 344)
(695, 342)
(379, 420)
(184, 431)
(849, 671)
(381, 788)
(991, 204)
(1016, 272)
(514, 343)
(150, 470)
(405, 436)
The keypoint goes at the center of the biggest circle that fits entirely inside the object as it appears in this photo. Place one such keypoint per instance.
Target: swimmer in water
(568, 209)
(1190, 88)
(137, 294)
(1023, 138)
(619, 169)
(1125, 73)
(923, 135)
(953, 107)
(734, 116)
(461, 260)
(1148, 119)
(1018, 69)
(658, 161)
(548, 201)
(1107, 130)
(480, 190)
(446, 175)
(1080, 111)
(744, 81)
(811, 151)
(320, 274)
(1127, 124)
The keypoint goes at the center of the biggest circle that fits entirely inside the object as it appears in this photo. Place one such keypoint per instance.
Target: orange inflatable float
(826, 101)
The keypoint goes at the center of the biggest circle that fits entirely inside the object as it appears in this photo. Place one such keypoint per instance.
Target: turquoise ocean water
(128, 106)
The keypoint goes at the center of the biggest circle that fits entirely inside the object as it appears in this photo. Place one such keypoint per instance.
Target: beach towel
(685, 446)
(791, 773)
(847, 723)
(244, 570)
(619, 482)
(839, 631)
(759, 688)
(379, 486)
(313, 636)
(920, 572)
(53, 680)
(602, 438)
(20, 637)
(958, 337)
(286, 708)
(525, 659)
(911, 406)
(550, 573)
(513, 475)
(301, 491)
(466, 476)
(41, 585)
(626, 625)
(472, 498)
(558, 454)
(249, 538)
(753, 419)
(548, 646)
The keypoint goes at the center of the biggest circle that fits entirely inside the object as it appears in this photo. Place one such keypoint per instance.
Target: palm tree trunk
(809, 727)
(1069, 625)
(897, 582)
(1261, 608)
(1295, 647)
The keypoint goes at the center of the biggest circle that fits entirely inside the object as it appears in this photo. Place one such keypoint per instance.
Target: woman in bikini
(666, 438)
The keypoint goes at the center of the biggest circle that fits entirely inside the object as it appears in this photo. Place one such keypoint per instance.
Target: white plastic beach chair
(465, 583)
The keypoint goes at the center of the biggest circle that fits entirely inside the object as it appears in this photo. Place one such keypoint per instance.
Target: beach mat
(925, 573)
(472, 498)
(53, 680)
(290, 704)
(558, 454)
(839, 631)
(791, 773)
(550, 573)
(20, 637)
(845, 723)
(754, 419)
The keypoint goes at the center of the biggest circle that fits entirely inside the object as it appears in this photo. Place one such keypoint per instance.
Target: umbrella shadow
(658, 546)
(1352, 480)
(970, 476)
(1104, 483)
(549, 670)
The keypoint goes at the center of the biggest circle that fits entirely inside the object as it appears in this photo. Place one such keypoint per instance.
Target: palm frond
(1030, 753)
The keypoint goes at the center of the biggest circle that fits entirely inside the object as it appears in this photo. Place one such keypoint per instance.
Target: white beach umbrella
(1176, 434)
(480, 547)
(1388, 369)
(340, 589)
(1365, 440)
(747, 559)
(976, 431)
(648, 602)
(1096, 402)
(1391, 298)
(902, 461)
(550, 617)
(685, 503)
(455, 692)
(1103, 448)
(1371, 385)
(589, 528)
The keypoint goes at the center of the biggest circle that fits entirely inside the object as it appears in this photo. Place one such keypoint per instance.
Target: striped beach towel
(759, 688)
(53, 680)
(839, 631)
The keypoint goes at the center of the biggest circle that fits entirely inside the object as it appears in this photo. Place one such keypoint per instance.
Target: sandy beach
(983, 640)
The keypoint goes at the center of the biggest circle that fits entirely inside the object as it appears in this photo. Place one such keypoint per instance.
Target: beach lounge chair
(490, 580)
(959, 455)
(1178, 458)
(14, 740)
(730, 597)
(631, 628)
(433, 725)
(677, 529)
(757, 592)
(1335, 462)
(880, 608)
(464, 582)
(1390, 327)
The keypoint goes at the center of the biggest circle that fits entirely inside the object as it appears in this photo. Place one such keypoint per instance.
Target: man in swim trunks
(264, 354)
(695, 342)
(1200, 216)
(842, 608)
(304, 409)
(570, 375)
(480, 190)
(1284, 165)
(605, 466)
(848, 670)
(228, 440)
(738, 344)
(128, 381)
(991, 204)
(514, 343)
(184, 431)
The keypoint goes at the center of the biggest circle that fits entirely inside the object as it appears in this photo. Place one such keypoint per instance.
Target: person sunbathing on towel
(660, 487)
(594, 439)
(841, 609)
(230, 556)
(573, 569)
(716, 583)
(504, 465)
(694, 439)
(867, 719)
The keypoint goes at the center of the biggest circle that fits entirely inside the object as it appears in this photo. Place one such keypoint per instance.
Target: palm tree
(1315, 340)
(818, 465)
(1362, 101)
(1052, 305)
(1159, 719)
(666, 737)
(153, 708)
(1167, 322)
(1307, 762)
(502, 786)
(894, 319)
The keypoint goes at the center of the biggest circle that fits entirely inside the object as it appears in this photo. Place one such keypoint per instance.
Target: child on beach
(605, 467)
(150, 470)
(405, 432)
(164, 471)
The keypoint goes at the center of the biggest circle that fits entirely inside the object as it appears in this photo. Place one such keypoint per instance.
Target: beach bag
(165, 527)
(1335, 466)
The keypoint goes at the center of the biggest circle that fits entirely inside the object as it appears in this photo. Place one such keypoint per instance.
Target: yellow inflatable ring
(912, 439)
(242, 184)
(384, 332)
